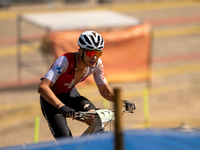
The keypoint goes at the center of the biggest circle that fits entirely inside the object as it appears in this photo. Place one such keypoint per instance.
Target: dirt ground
(174, 93)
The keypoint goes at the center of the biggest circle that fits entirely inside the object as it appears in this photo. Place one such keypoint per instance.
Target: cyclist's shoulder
(65, 61)
(69, 58)
(69, 55)
(99, 63)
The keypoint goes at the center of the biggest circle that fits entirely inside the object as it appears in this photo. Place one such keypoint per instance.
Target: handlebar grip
(130, 111)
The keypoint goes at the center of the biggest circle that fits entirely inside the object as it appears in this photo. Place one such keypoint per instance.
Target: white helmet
(91, 40)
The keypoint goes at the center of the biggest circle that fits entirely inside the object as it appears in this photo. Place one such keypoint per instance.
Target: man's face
(90, 57)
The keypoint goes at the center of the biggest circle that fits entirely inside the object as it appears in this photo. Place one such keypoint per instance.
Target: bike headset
(91, 41)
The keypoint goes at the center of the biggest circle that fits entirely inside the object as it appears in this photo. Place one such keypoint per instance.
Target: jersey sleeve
(59, 67)
(99, 73)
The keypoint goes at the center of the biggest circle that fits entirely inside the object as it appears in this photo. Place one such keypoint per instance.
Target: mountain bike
(101, 116)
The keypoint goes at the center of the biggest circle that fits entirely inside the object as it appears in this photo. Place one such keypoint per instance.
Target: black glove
(129, 105)
(67, 112)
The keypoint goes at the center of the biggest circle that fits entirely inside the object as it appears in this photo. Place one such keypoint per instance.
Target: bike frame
(101, 116)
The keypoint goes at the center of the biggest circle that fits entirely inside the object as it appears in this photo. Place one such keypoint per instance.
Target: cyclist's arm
(108, 94)
(52, 75)
(102, 84)
(45, 91)
(106, 91)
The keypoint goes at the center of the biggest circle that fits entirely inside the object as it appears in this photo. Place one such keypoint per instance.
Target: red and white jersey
(62, 73)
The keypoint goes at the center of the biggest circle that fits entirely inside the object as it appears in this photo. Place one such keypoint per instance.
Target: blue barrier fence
(133, 140)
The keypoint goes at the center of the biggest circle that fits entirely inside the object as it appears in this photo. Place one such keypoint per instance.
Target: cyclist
(59, 98)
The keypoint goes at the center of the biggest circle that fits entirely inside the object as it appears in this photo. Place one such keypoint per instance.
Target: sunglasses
(92, 53)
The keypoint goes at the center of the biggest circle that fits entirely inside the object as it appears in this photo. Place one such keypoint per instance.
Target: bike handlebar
(94, 112)
(81, 115)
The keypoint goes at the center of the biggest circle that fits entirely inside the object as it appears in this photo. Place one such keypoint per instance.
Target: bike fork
(96, 126)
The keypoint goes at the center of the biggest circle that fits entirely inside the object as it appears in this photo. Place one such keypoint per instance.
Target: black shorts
(57, 123)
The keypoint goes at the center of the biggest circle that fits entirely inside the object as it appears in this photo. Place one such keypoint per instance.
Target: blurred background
(167, 96)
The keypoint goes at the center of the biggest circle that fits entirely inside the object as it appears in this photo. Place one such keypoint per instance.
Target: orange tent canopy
(125, 56)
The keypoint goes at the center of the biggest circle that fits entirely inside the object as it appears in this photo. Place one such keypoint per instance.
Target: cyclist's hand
(129, 105)
(67, 112)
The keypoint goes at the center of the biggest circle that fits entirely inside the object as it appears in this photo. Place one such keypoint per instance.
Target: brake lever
(127, 111)
(130, 111)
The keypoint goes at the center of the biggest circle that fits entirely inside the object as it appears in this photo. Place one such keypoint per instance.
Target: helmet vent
(95, 42)
(101, 47)
(99, 38)
(94, 33)
(81, 41)
(102, 41)
(89, 47)
(87, 40)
